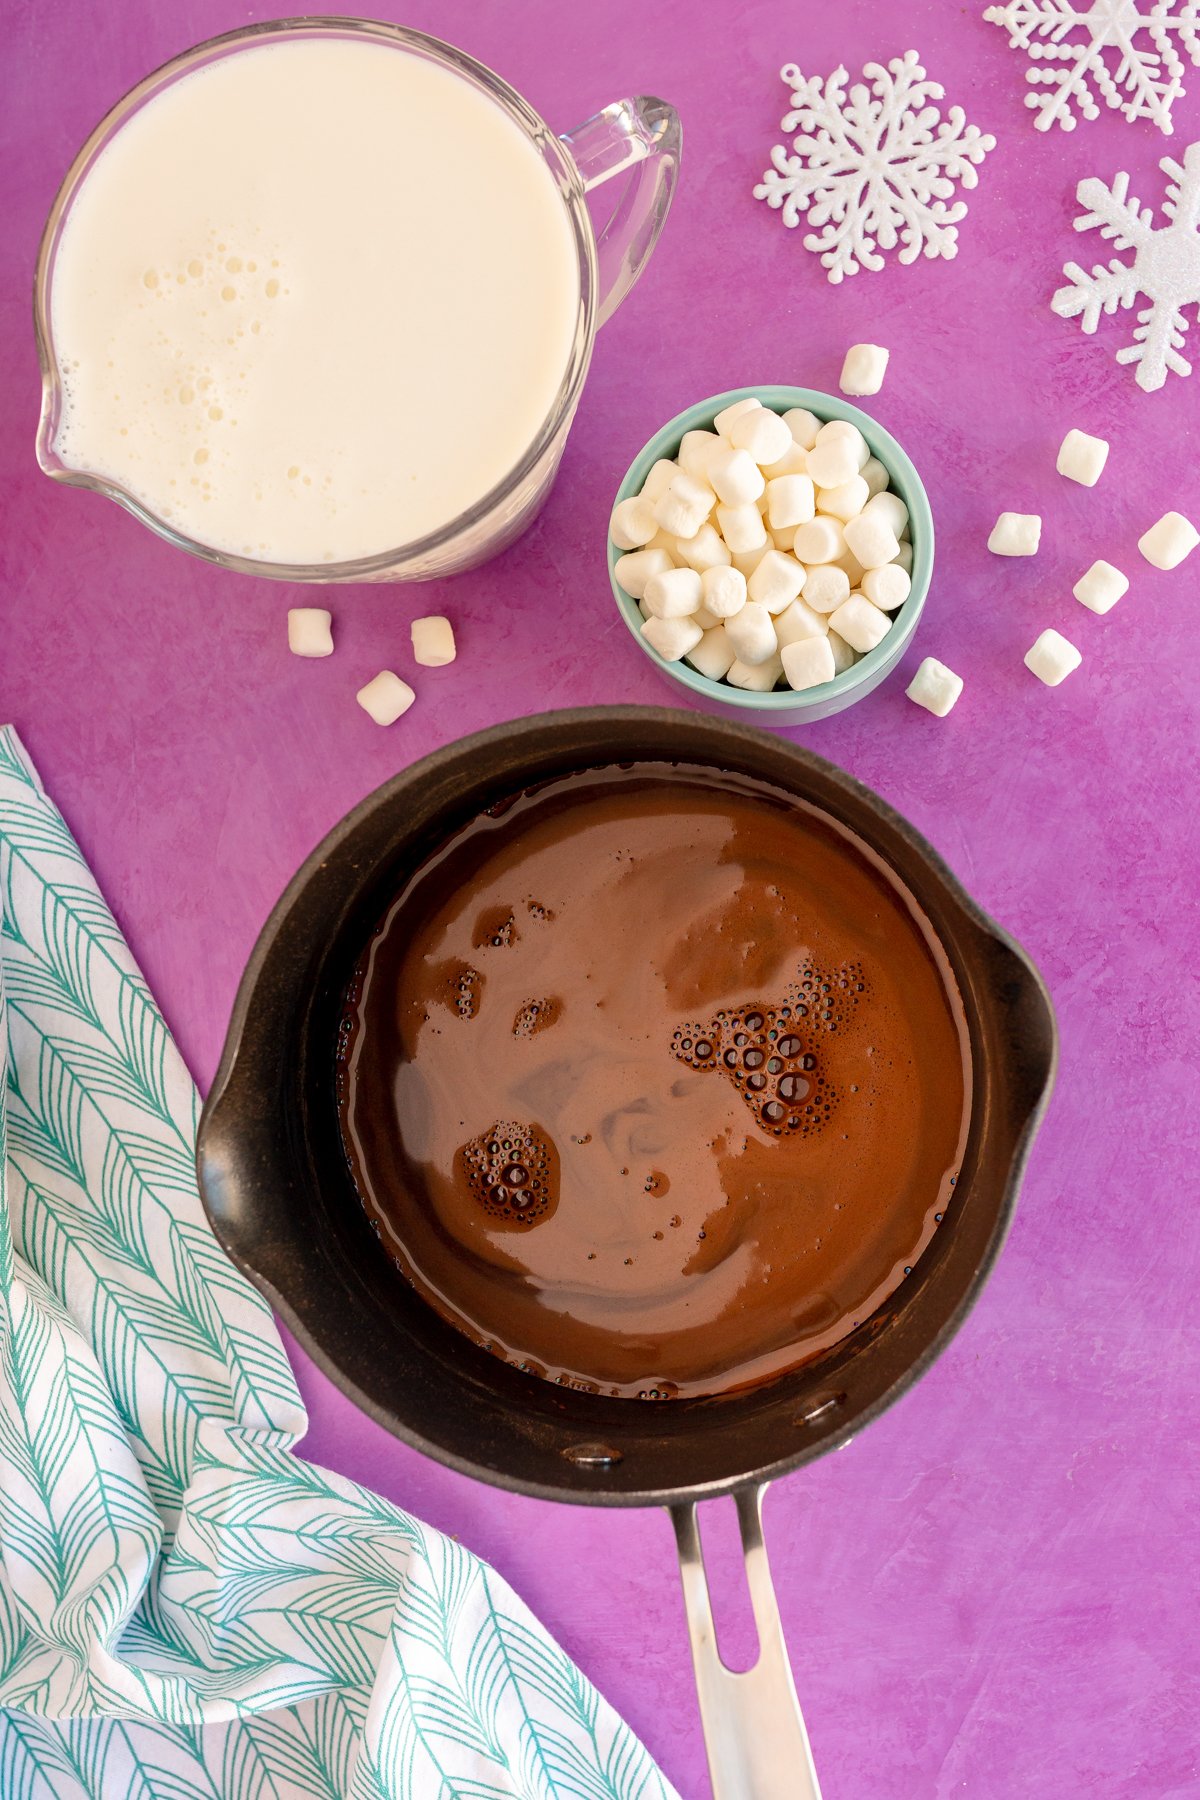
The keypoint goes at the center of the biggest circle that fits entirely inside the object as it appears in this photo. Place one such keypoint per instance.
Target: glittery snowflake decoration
(1165, 268)
(1124, 52)
(873, 168)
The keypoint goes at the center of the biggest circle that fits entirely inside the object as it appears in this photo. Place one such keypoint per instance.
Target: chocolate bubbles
(512, 1171)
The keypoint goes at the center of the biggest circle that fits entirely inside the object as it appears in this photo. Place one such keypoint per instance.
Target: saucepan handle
(753, 1731)
(639, 139)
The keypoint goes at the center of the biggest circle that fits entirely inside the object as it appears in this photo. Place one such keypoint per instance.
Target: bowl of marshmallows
(771, 550)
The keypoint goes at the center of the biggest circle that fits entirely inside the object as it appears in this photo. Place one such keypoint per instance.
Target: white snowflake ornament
(1124, 51)
(873, 168)
(1165, 268)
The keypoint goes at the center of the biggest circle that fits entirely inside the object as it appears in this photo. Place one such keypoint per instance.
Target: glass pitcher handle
(640, 139)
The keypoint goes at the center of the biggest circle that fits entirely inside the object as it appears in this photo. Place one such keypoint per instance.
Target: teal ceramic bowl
(784, 706)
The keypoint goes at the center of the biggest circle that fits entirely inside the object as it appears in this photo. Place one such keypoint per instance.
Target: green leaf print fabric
(187, 1610)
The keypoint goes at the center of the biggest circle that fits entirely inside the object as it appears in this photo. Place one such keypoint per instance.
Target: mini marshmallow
(791, 501)
(696, 449)
(684, 507)
(890, 507)
(875, 476)
(904, 560)
(861, 624)
(851, 567)
(844, 656)
(736, 476)
(1166, 544)
(1101, 587)
(846, 501)
(886, 588)
(1082, 458)
(864, 369)
(799, 621)
(673, 594)
(672, 638)
(1052, 658)
(752, 634)
(762, 434)
(803, 426)
(633, 523)
(843, 428)
(794, 461)
(1016, 534)
(634, 569)
(935, 687)
(776, 581)
(662, 474)
(735, 410)
(742, 526)
(707, 550)
(871, 539)
(662, 540)
(385, 698)
(707, 621)
(833, 460)
(746, 561)
(826, 587)
(808, 663)
(713, 655)
(820, 541)
(756, 678)
(433, 642)
(309, 632)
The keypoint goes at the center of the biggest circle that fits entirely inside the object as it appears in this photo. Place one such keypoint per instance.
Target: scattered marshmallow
(791, 501)
(735, 410)
(886, 588)
(1082, 458)
(756, 678)
(803, 426)
(672, 638)
(762, 434)
(871, 539)
(706, 550)
(634, 569)
(713, 655)
(1052, 658)
(735, 476)
(1166, 544)
(776, 581)
(822, 540)
(1016, 534)
(847, 501)
(808, 663)
(742, 527)
(309, 631)
(1101, 588)
(864, 369)
(722, 591)
(861, 624)
(633, 523)
(433, 642)
(799, 621)
(826, 587)
(673, 594)
(935, 687)
(386, 698)
(752, 634)
(685, 505)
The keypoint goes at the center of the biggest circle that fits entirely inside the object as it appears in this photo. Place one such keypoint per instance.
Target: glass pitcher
(638, 139)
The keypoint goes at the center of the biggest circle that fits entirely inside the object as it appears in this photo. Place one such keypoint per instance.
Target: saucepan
(278, 1192)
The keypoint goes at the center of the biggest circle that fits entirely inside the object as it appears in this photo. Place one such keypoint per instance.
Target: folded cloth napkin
(187, 1610)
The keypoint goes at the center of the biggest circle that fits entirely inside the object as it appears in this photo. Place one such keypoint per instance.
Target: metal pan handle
(753, 1731)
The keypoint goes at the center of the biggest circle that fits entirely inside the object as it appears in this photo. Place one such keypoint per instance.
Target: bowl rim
(783, 397)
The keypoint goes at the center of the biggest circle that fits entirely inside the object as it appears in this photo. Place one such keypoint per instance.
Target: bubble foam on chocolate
(511, 1170)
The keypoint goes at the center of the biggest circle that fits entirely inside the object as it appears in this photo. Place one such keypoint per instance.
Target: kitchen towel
(188, 1611)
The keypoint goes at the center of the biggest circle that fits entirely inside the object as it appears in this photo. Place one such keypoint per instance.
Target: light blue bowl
(784, 706)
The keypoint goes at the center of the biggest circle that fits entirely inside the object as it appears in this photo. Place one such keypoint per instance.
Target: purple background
(989, 1593)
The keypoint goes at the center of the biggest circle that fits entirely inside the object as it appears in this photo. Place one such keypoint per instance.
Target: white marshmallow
(673, 594)
(309, 632)
(861, 624)
(799, 621)
(736, 476)
(672, 638)
(850, 567)
(891, 507)
(385, 698)
(935, 687)
(875, 476)
(1016, 534)
(821, 540)
(634, 569)
(1052, 658)
(662, 474)
(1101, 587)
(846, 501)
(776, 581)
(791, 501)
(844, 429)
(871, 539)
(433, 642)
(707, 550)
(707, 621)
(735, 410)
(752, 634)
(713, 655)
(794, 461)
(844, 656)
(662, 540)
(756, 678)
(782, 540)
(633, 523)
(886, 588)
(803, 426)
(833, 459)
(742, 526)
(762, 434)
(1166, 544)
(695, 451)
(684, 507)
(1082, 458)
(826, 587)
(808, 663)
(905, 559)
(864, 369)
(746, 561)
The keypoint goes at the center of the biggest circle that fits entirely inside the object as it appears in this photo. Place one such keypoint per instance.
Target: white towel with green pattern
(187, 1610)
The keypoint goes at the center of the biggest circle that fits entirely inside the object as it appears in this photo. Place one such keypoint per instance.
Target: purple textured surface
(991, 1592)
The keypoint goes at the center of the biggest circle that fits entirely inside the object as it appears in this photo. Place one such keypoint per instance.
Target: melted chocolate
(654, 1081)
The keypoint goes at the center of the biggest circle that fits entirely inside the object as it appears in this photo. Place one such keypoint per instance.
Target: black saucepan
(278, 1192)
